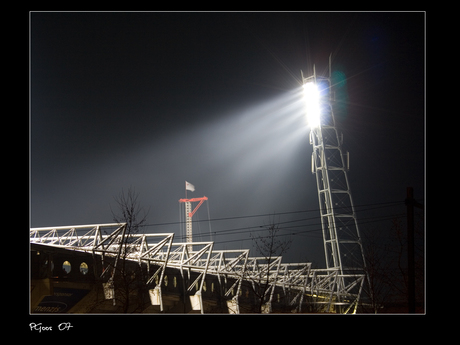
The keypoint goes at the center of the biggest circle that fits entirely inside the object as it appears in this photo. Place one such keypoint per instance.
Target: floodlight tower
(342, 241)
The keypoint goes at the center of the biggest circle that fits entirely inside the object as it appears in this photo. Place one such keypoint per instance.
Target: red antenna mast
(189, 214)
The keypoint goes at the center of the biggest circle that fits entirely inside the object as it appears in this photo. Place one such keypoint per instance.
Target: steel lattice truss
(323, 287)
(341, 237)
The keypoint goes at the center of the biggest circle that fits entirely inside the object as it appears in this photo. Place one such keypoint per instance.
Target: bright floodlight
(312, 103)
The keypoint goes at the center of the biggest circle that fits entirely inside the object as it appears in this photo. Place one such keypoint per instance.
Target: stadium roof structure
(159, 249)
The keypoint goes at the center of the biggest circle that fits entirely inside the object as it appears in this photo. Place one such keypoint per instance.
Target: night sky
(150, 100)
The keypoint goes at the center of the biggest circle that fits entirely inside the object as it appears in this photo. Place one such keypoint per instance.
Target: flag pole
(185, 189)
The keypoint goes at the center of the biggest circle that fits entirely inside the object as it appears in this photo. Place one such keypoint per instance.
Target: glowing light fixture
(311, 96)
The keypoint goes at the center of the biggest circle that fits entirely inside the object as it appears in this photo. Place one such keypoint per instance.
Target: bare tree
(129, 211)
(377, 291)
(270, 247)
(397, 279)
(386, 261)
(128, 277)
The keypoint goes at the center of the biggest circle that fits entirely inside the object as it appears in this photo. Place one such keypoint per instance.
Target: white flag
(189, 186)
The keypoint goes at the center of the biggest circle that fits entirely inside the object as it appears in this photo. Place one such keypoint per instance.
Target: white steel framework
(326, 289)
(342, 241)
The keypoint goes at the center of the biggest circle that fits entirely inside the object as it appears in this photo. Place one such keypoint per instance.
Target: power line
(318, 228)
(258, 228)
(380, 205)
(315, 230)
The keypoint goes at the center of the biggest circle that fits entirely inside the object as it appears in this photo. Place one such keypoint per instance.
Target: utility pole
(410, 203)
